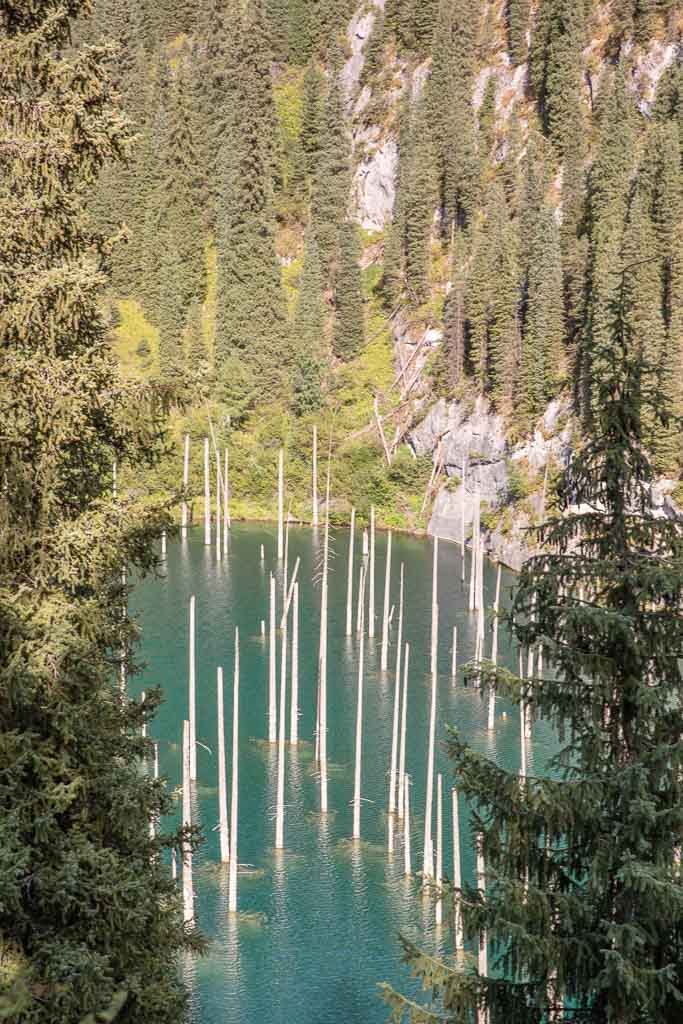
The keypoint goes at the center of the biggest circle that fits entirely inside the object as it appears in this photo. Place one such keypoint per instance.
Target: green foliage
(521, 484)
(349, 324)
(89, 917)
(332, 174)
(493, 298)
(556, 73)
(307, 331)
(518, 24)
(585, 897)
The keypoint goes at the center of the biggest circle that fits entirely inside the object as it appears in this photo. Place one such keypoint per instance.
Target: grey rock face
(374, 186)
(477, 457)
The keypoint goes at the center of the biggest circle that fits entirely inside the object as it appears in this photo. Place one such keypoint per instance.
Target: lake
(326, 913)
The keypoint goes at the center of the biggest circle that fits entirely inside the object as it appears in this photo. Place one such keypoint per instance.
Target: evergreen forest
(531, 151)
(359, 221)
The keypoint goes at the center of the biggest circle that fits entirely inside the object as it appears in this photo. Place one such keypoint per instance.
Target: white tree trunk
(232, 877)
(407, 866)
(482, 960)
(384, 662)
(280, 503)
(397, 701)
(219, 488)
(280, 807)
(188, 892)
(349, 579)
(192, 694)
(439, 847)
(222, 780)
(226, 500)
(454, 653)
(359, 719)
(428, 858)
(272, 706)
(457, 875)
(435, 602)
(207, 496)
(186, 480)
(404, 717)
(315, 476)
(371, 604)
(294, 711)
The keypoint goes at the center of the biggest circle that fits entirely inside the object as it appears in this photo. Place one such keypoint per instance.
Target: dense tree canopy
(89, 917)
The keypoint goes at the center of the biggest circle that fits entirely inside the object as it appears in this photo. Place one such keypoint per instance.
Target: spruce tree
(556, 70)
(418, 201)
(217, 45)
(251, 353)
(172, 309)
(89, 916)
(312, 113)
(307, 333)
(455, 323)
(493, 298)
(487, 117)
(607, 199)
(517, 12)
(349, 330)
(455, 129)
(542, 342)
(332, 175)
(584, 897)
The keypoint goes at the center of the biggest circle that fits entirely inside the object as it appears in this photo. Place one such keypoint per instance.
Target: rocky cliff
(475, 459)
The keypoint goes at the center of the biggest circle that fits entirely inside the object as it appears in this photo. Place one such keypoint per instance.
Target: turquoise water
(326, 913)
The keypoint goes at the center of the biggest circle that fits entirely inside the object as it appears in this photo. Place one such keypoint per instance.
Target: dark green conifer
(455, 320)
(418, 202)
(312, 116)
(250, 344)
(172, 308)
(89, 916)
(517, 12)
(608, 186)
(349, 329)
(493, 297)
(556, 70)
(583, 897)
(332, 174)
(307, 333)
(542, 358)
(487, 117)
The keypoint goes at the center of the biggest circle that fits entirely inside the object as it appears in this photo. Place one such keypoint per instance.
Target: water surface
(330, 911)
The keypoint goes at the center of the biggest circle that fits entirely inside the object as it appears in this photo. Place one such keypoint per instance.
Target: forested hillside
(339, 213)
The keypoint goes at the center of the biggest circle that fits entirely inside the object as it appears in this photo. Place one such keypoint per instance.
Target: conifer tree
(196, 355)
(517, 12)
(487, 117)
(493, 296)
(349, 330)
(556, 71)
(250, 344)
(172, 309)
(606, 215)
(307, 333)
(542, 342)
(584, 897)
(333, 176)
(312, 113)
(89, 916)
(455, 322)
(217, 48)
(455, 135)
(418, 203)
